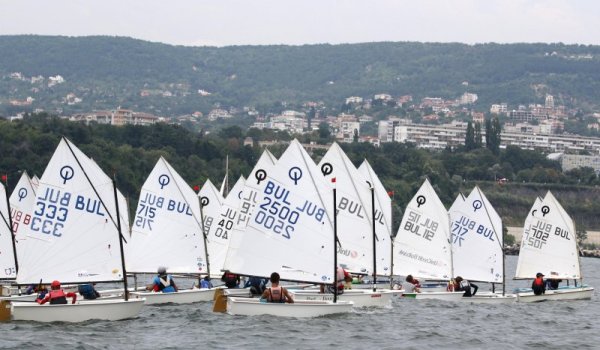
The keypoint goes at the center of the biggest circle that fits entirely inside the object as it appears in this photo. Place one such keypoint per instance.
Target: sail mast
(203, 202)
(10, 227)
(335, 242)
(126, 291)
(451, 247)
(372, 188)
(503, 264)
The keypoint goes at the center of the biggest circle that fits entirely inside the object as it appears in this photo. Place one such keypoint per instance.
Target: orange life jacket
(57, 296)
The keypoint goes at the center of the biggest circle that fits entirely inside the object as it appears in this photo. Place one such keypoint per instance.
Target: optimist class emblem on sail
(151, 203)
(537, 235)
(281, 209)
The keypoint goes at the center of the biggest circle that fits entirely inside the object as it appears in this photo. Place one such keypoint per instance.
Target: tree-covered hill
(110, 71)
(132, 151)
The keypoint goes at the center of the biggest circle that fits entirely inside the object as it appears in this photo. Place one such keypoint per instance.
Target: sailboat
(478, 242)
(74, 236)
(246, 204)
(22, 202)
(20, 206)
(549, 246)
(291, 231)
(211, 201)
(357, 231)
(167, 232)
(248, 200)
(221, 230)
(383, 220)
(422, 246)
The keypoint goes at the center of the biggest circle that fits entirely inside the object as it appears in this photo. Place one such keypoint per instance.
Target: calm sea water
(406, 324)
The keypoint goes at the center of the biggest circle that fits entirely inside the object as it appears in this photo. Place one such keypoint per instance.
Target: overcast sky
(264, 22)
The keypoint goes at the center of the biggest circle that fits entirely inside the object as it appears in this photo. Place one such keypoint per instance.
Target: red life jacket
(538, 281)
(57, 296)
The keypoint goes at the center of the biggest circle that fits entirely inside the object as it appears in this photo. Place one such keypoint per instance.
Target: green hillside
(110, 71)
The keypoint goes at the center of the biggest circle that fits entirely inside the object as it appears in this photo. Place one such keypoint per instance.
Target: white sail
(291, 229)
(549, 244)
(383, 220)
(477, 239)
(124, 215)
(22, 201)
(460, 199)
(211, 204)
(249, 200)
(167, 230)
(225, 184)
(123, 208)
(221, 230)
(422, 245)
(355, 227)
(7, 256)
(35, 182)
(73, 235)
(249, 195)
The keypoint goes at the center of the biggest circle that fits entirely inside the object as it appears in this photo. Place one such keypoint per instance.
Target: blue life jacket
(87, 291)
(164, 287)
(205, 284)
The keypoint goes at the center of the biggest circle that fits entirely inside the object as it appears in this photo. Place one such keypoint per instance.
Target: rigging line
(93, 187)
(374, 178)
(490, 219)
(345, 164)
(315, 185)
(181, 192)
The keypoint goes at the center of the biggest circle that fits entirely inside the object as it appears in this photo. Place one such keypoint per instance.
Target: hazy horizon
(278, 22)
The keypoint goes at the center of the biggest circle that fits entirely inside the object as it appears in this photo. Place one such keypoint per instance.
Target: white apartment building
(572, 161)
(501, 108)
(292, 125)
(346, 130)
(468, 98)
(453, 134)
(218, 113)
(549, 101)
(432, 136)
(383, 97)
(386, 128)
(354, 100)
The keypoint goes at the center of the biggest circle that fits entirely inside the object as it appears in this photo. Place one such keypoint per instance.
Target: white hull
(237, 292)
(448, 296)
(491, 298)
(301, 308)
(24, 297)
(110, 310)
(361, 298)
(575, 293)
(186, 296)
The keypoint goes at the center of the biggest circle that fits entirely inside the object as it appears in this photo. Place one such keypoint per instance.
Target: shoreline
(588, 253)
